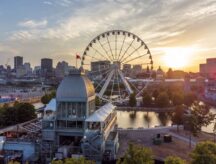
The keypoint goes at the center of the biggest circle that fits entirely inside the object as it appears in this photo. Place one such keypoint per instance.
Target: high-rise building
(100, 65)
(127, 69)
(137, 68)
(62, 69)
(28, 69)
(18, 62)
(209, 69)
(46, 67)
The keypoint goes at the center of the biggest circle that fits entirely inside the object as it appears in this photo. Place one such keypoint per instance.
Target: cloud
(64, 3)
(48, 3)
(158, 23)
(33, 24)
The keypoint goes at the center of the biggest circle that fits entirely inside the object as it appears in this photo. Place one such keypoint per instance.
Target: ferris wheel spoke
(110, 48)
(127, 49)
(102, 91)
(119, 90)
(93, 57)
(135, 50)
(113, 84)
(108, 72)
(99, 53)
(135, 58)
(105, 50)
(116, 46)
(135, 87)
(126, 84)
(121, 47)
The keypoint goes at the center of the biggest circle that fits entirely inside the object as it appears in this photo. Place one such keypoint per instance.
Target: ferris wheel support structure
(106, 54)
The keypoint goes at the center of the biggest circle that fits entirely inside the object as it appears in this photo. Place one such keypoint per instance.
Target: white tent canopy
(51, 106)
(102, 113)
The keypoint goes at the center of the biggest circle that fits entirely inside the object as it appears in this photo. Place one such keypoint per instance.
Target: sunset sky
(180, 33)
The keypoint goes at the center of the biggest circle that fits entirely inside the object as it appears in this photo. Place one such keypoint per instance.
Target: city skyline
(180, 34)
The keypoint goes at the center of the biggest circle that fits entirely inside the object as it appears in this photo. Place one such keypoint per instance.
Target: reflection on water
(164, 118)
(131, 119)
(126, 119)
(147, 119)
(210, 127)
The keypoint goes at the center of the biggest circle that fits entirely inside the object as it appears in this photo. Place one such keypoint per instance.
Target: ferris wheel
(111, 58)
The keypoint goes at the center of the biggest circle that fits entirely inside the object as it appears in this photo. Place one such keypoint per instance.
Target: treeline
(47, 97)
(163, 99)
(19, 113)
(203, 153)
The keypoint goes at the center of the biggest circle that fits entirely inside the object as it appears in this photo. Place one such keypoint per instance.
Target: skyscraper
(18, 62)
(46, 67)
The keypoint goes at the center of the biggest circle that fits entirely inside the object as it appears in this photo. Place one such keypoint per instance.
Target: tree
(24, 112)
(73, 161)
(162, 100)
(97, 101)
(214, 131)
(199, 117)
(189, 98)
(174, 160)
(169, 73)
(155, 93)
(132, 100)
(19, 113)
(78, 161)
(147, 100)
(177, 98)
(204, 152)
(137, 154)
(45, 99)
(178, 116)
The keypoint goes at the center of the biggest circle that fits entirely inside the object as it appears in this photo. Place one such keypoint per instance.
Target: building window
(61, 124)
(71, 124)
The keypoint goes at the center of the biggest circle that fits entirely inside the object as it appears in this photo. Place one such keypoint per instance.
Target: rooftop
(101, 114)
(75, 87)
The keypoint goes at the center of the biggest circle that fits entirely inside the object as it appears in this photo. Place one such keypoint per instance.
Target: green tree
(174, 160)
(178, 116)
(19, 113)
(137, 155)
(204, 153)
(9, 116)
(57, 162)
(73, 161)
(97, 101)
(78, 161)
(190, 98)
(45, 99)
(132, 100)
(162, 100)
(178, 98)
(147, 99)
(199, 117)
(155, 93)
(24, 112)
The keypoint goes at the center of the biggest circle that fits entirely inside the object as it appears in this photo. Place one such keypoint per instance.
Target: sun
(177, 57)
